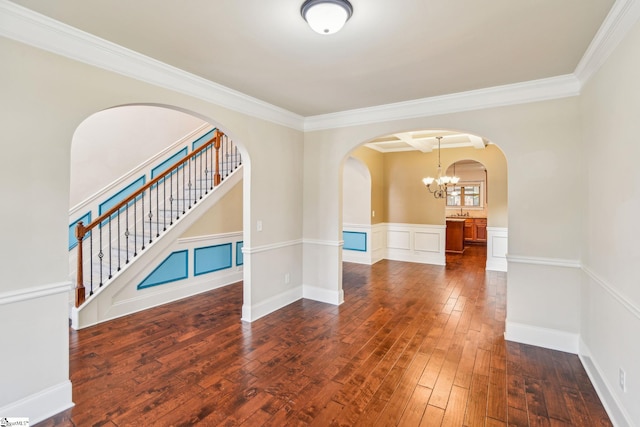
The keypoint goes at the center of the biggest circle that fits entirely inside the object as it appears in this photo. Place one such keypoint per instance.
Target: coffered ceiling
(389, 52)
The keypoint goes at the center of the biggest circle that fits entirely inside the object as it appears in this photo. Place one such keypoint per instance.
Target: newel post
(216, 145)
(80, 295)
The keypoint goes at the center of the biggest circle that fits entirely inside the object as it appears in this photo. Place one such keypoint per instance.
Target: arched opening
(412, 224)
(124, 149)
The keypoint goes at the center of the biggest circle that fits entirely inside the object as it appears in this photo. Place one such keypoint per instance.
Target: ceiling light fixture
(326, 16)
(439, 191)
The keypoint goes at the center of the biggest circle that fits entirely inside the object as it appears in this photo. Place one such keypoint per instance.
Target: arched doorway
(413, 225)
(122, 150)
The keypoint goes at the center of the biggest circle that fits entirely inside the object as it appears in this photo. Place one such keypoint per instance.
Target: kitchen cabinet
(475, 230)
(455, 235)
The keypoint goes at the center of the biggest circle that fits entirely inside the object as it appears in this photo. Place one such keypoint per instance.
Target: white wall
(610, 319)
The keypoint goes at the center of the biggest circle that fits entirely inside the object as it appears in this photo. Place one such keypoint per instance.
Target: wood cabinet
(455, 235)
(475, 230)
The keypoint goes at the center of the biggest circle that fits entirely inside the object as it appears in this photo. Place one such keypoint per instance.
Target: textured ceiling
(388, 52)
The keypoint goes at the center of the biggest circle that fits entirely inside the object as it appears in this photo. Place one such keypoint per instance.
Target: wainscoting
(425, 244)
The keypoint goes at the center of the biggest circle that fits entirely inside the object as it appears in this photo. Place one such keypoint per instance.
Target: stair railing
(120, 234)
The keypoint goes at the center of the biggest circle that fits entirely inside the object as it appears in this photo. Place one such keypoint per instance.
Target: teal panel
(239, 254)
(121, 195)
(173, 268)
(156, 171)
(202, 140)
(86, 220)
(355, 241)
(211, 258)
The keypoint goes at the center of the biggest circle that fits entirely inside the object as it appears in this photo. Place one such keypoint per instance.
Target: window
(467, 195)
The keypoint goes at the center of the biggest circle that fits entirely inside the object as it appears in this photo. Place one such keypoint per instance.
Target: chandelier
(439, 190)
(326, 16)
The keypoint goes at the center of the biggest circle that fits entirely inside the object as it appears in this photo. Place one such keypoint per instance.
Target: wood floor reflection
(413, 345)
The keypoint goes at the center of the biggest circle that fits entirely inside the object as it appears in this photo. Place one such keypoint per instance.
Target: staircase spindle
(194, 179)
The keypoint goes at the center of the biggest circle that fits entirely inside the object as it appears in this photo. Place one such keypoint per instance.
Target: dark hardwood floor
(413, 345)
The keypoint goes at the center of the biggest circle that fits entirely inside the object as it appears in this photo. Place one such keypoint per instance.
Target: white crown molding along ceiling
(29, 27)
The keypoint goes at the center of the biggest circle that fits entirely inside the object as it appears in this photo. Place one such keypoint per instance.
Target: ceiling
(388, 52)
(426, 141)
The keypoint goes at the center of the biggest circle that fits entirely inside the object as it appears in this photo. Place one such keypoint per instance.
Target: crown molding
(518, 93)
(32, 28)
(622, 16)
(29, 27)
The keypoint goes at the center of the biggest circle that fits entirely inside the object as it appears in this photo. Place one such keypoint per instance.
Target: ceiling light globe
(326, 16)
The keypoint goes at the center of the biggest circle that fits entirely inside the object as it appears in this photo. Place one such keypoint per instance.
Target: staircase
(115, 240)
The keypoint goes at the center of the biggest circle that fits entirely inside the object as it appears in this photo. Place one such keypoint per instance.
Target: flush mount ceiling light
(326, 16)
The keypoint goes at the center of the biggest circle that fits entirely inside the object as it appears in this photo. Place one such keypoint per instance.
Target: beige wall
(224, 217)
(374, 161)
(408, 201)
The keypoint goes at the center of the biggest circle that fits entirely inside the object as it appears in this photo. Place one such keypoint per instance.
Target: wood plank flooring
(413, 345)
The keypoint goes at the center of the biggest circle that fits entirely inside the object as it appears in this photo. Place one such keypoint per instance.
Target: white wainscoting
(399, 242)
(416, 243)
(609, 327)
(543, 302)
(34, 366)
(497, 239)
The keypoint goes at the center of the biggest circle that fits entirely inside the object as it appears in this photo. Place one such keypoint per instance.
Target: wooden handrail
(151, 183)
(82, 230)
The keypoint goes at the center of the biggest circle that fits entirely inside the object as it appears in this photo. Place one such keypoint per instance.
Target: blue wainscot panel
(239, 255)
(355, 241)
(168, 163)
(173, 268)
(86, 220)
(211, 258)
(121, 195)
(202, 140)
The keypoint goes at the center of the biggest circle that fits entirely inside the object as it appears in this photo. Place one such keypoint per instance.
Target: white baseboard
(615, 410)
(252, 313)
(41, 405)
(542, 337)
(323, 295)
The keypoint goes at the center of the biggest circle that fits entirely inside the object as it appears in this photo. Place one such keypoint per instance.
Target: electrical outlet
(622, 378)
(287, 278)
(259, 225)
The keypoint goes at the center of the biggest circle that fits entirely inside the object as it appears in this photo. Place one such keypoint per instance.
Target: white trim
(29, 27)
(541, 337)
(143, 168)
(626, 302)
(496, 261)
(622, 16)
(333, 243)
(553, 262)
(268, 306)
(615, 410)
(34, 292)
(498, 96)
(41, 405)
(209, 237)
(271, 246)
(328, 296)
